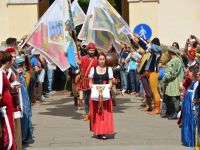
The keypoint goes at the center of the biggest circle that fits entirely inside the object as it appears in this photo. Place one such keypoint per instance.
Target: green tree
(85, 3)
(115, 3)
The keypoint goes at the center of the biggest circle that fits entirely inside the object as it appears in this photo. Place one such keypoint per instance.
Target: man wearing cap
(13, 77)
(86, 63)
(172, 78)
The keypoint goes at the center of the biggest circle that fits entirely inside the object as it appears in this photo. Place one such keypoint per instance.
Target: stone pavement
(59, 126)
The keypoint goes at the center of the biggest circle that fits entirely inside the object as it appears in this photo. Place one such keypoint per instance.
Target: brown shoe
(154, 112)
(75, 101)
(147, 108)
(136, 94)
(148, 105)
(113, 102)
(86, 117)
(81, 103)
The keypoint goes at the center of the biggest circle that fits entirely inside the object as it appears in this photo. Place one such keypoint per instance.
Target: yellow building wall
(4, 31)
(178, 19)
(17, 20)
(144, 12)
(170, 20)
(22, 19)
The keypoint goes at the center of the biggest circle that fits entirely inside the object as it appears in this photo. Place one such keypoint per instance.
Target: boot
(33, 96)
(113, 97)
(148, 105)
(173, 117)
(39, 91)
(81, 103)
(157, 109)
(75, 101)
(114, 102)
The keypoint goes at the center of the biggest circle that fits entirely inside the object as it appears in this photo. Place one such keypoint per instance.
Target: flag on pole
(103, 25)
(77, 13)
(71, 54)
(51, 36)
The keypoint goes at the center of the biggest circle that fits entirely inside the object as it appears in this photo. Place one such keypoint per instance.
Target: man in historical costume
(74, 91)
(172, 78)
(151, 69)
(145, 80)
(13, 77)
(86, 63)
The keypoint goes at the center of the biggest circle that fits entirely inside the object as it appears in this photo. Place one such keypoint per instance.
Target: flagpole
(78, 77)
(73, 30)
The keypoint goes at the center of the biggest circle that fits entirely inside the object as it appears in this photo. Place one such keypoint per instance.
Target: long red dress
(101, 122)
(7, 122)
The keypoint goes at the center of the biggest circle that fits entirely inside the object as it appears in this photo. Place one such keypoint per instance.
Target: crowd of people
(26, 76)
(167, 79)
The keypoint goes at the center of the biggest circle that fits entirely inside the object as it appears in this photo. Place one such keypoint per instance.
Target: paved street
(58, 125)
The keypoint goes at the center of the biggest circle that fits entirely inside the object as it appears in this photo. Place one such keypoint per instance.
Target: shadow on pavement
(61, 108)
(58, 102)
(120, 105)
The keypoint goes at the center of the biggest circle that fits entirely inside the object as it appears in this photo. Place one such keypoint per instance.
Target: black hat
(195, 66)
(10, 41)
(156, 41)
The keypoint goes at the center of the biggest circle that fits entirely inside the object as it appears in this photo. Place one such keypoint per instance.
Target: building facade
(18, 17)
(170, 20)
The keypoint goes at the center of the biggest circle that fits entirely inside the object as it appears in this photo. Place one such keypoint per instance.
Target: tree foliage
(115, 3)
(85, 3)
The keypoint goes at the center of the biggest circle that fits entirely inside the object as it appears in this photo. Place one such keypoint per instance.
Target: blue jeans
(41, 76)
(133, 78)
(50, 73)
(86, 97)
(124, 84)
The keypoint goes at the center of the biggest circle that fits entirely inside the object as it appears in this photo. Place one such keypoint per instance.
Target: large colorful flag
(51, 36)
(77, 13)
(103, 25)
